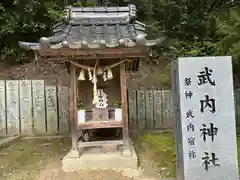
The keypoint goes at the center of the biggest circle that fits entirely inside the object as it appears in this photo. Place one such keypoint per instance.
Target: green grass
(238, 142)
(24, 158)
(162, 146)
(164, 153)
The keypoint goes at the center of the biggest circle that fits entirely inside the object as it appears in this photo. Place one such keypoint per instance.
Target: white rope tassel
(105, 76)
(95, 96)
(90, 74)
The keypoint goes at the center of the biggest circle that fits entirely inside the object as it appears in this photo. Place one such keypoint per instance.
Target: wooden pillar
(73, 111)
(123, 81)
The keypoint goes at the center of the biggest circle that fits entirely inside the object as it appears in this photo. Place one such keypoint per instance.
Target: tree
(229, 31)
(24, 20)
(229, 38)
(190, 23)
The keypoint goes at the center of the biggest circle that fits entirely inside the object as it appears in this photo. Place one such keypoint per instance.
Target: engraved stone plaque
(12, 108)
(51, 105)
(38, 106)
(206, 130)
(25, 106)
(2, 109)
(63, 101)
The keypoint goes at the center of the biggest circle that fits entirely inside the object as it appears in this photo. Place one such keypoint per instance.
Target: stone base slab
(96, 159)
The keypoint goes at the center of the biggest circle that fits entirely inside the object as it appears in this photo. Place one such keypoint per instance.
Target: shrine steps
(100, 143)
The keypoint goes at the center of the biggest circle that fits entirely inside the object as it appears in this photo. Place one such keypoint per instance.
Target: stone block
(90, 160)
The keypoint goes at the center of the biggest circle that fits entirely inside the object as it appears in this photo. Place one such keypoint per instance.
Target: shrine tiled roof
(95, 27)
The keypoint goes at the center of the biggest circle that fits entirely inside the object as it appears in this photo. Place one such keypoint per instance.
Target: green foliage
(196, 28)
(84, 4)
(117, 104)
(79, 104)
(229, 31)
(25, 20)
(192, 26)
(191, 22)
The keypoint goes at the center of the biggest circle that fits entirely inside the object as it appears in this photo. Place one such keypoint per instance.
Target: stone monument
(205, 119)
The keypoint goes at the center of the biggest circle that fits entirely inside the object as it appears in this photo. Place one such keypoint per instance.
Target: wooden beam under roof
(95, 53)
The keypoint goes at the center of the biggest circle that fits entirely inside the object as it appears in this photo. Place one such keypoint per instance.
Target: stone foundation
(94, 158)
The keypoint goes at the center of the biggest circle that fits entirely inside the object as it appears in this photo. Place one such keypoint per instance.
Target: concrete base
(95, 159)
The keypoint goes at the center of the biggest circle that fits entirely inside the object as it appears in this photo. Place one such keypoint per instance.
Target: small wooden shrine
(99, 46)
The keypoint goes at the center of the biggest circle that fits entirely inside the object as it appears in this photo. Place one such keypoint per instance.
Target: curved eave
(60, 34)
(59, 37)
(29, 45)
(157, 42)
